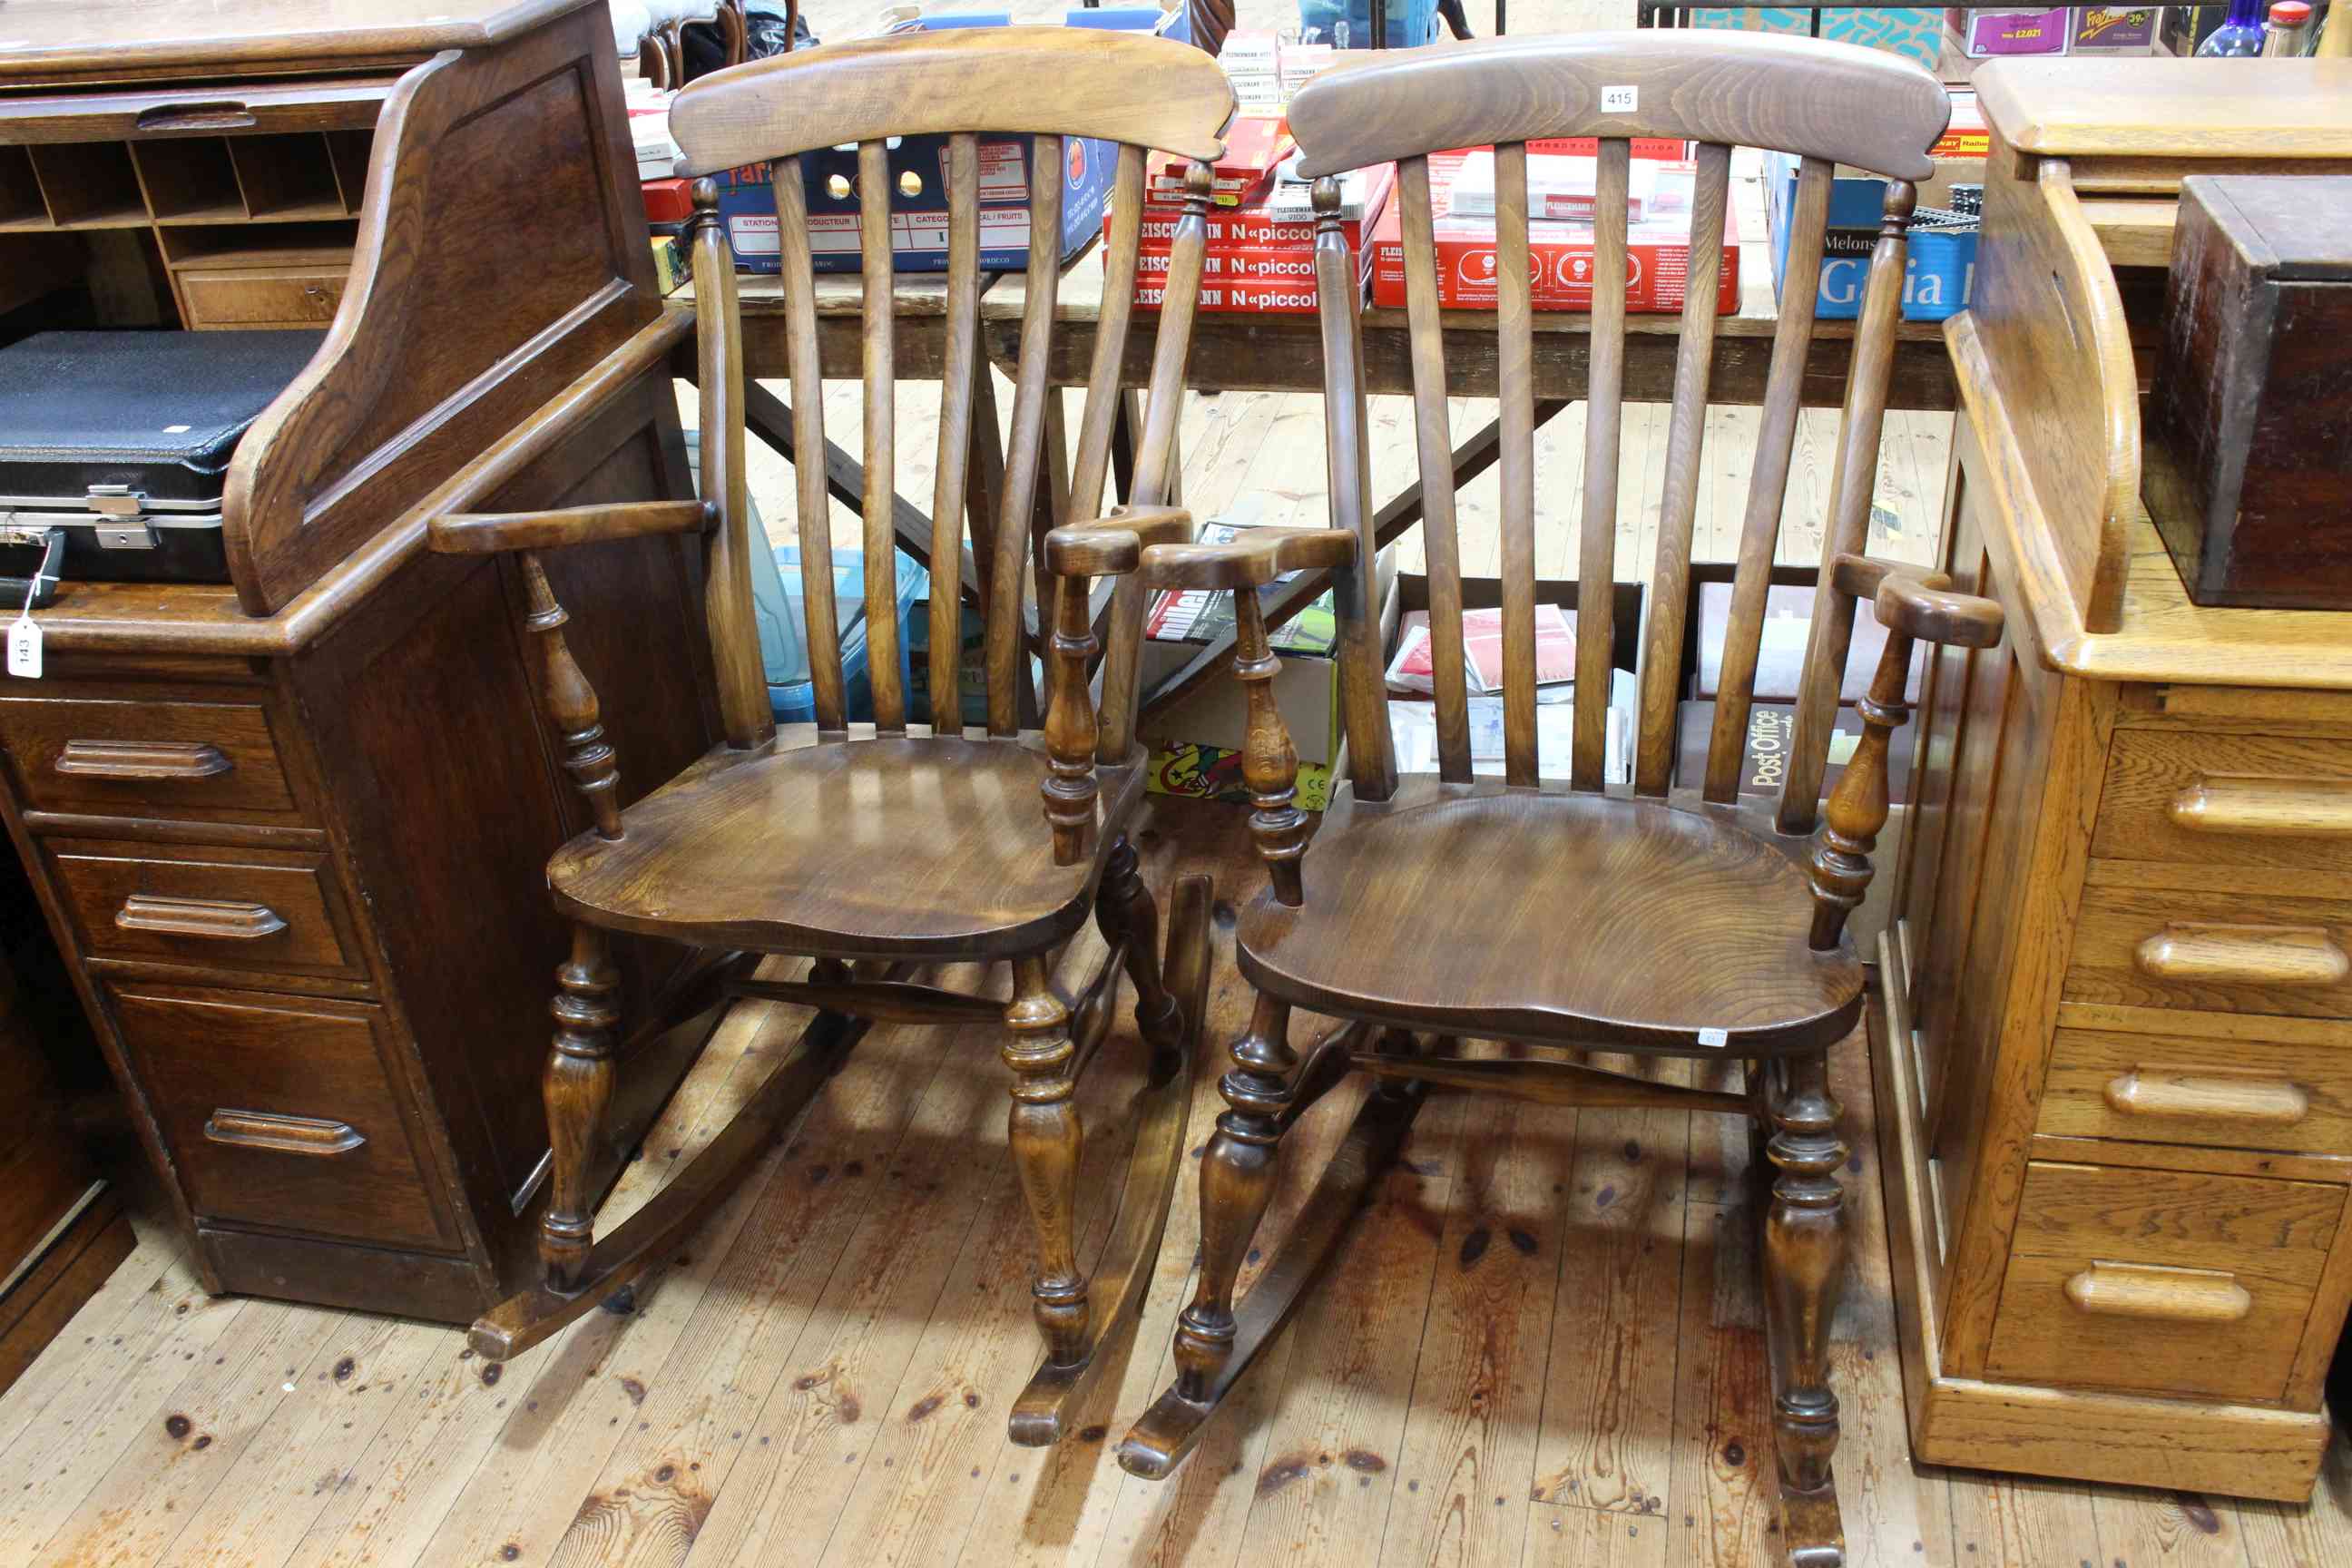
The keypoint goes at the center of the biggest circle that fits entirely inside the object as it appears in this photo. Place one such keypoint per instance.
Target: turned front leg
(1804, 1265)
(579, 1092)
(1858, 806)
(1045, 1138)
(1236, 1183)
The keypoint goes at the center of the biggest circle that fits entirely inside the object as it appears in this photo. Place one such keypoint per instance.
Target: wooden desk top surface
(2079, 107)
(66, 42)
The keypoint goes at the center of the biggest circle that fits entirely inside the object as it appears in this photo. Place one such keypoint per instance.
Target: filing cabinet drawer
(2213, 951)
(2246, 801)
(2161, 1281)
(86, 754)
(280, 1111)
(2292, 1093)
(248, 908)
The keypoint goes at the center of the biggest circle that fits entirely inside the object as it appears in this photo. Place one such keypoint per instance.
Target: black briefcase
(114, 447)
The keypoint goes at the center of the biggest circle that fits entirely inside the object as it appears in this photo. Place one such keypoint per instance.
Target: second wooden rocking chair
(1568, 914)
(872, 854)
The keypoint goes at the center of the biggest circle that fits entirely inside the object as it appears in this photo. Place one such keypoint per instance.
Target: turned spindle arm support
(570, 702)
(1913, 607)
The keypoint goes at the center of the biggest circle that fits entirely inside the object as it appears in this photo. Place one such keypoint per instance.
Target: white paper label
(1718, 1038)
(24, 648)
(1619, 99)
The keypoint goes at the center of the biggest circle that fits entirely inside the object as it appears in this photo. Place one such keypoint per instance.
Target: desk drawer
(281, 1111)
(2277, 801)
(261, 910)
(123, 758)
(2213, 951)
(262, 296)
(2161, 1281)
(2293, 1093)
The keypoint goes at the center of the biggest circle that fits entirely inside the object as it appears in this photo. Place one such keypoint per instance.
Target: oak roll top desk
(2114, 1065)
(290, 831)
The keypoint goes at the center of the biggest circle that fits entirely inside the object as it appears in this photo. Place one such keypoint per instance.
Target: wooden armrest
(1920, 603)
(1258, 558)
(1113, 546)
(488, 533)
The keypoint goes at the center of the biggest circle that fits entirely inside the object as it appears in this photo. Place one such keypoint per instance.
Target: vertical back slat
(798, 283)
(1155, 452)
(1662, 642)
(881, 446)
(1767, 485)
(1596, 583)
(743, 707)
(1103, 393)
(1005, 642)
(1515, 373)
(1434, 440)
(955, 430)
(1363, 698)
(1848, 529)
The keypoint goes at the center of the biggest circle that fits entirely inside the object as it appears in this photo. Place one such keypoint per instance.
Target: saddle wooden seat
(912, 846)
(867, 854)
(1554, 917)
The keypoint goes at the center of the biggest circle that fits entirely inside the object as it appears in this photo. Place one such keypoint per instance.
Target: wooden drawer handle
(2243, 956)
(219, 920)
(2143, 1092)
(2167, 1294)
(2265, 807)
(144, 762)
(286, 1134)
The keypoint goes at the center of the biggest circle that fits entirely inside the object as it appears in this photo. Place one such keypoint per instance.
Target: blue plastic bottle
(2240, 35)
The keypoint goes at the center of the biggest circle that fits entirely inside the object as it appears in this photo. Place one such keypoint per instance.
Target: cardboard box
(2114, 29)
(1283, 218)
(1306, 689)
(1992, 35)
(1255, 145)
(1939, 264)
(1770, 728)
(1658, 255)
(1243, 282)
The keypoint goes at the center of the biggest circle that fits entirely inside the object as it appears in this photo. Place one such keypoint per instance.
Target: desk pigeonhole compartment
(121, 442)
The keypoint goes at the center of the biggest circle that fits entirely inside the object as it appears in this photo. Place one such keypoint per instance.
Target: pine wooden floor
(1542, 1348)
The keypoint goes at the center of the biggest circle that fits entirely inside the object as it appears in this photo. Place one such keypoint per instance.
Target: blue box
(919, 200)
(1936, 274)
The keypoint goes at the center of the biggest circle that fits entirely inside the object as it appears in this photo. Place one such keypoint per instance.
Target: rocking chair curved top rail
(1838, 101)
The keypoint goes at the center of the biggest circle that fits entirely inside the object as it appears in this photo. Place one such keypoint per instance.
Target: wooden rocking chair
(874, 853)
(1570, 914)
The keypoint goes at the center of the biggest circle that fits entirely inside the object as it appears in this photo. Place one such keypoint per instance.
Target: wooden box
(2248, 471)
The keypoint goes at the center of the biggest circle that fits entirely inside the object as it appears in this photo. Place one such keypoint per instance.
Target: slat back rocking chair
(1567, 913)
(873, 853)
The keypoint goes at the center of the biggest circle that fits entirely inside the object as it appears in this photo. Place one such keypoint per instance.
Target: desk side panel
(502, 252)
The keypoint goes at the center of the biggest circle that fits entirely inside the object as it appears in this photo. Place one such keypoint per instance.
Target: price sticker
(24, 633)
(1714, 1040)
(1619, 99)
